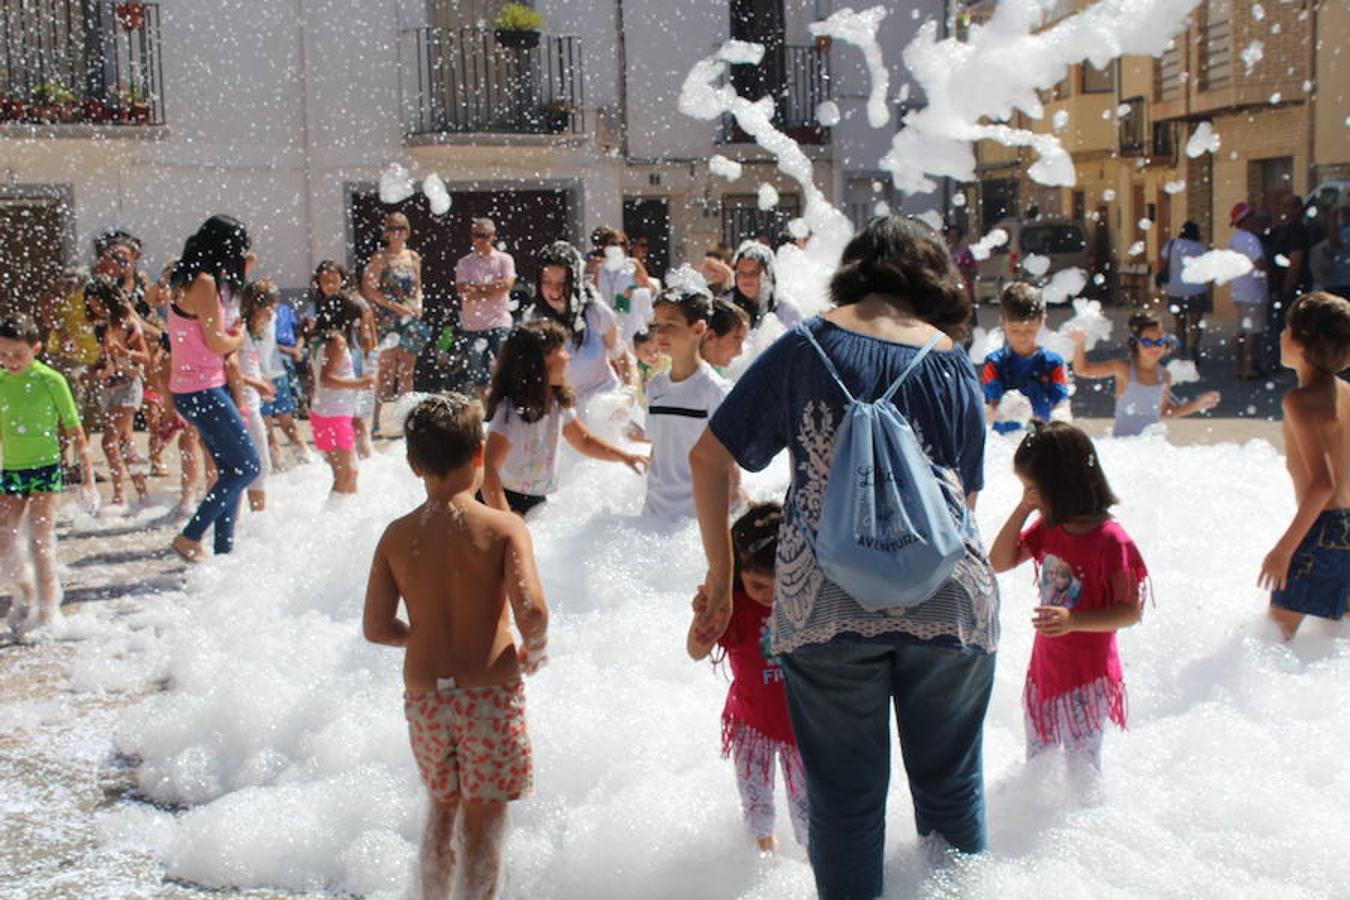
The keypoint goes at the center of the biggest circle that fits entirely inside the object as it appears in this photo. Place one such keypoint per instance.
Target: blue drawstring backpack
(887, 536)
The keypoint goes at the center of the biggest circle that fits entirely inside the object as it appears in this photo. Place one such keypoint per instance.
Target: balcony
(464, 81)
(67, 63)
(1130, 128)
(798, 78)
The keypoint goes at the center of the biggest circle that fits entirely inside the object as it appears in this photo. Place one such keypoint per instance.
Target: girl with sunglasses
(392, 284)
(1143, 387)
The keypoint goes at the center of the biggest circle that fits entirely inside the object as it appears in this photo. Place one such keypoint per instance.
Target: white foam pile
(1064, 285)
(1218, 266)
(767, 196)
(1204, 139)
(725, 168)
(396, 184)
(1183, 371)
(438, 196)
(282, 732)
(860, 30)
(986, 245)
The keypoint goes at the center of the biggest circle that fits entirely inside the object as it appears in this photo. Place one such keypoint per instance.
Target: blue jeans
(217, 420)
(839, 698)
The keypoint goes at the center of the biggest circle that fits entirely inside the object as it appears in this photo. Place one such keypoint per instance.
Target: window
(1164, 144)
(1097, 81)
(1130, 128)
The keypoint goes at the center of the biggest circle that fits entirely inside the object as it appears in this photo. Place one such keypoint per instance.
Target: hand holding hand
(1053, 621)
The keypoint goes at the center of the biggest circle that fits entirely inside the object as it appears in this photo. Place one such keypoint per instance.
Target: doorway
(649, 217)
(33, 232)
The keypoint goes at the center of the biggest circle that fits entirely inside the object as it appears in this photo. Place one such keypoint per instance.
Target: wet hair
(1139, 323)
(257, 295)
(337, 317)
(577, 291)
(1021, 302)
(520, 378)
(217, 249)
(726, 318)
(1061, 461)
(694, 304)
(754, 538)
(443, 433)
(20, 327)
(1320, 323)
(901, 257)
(1189, 231)
(111, 299)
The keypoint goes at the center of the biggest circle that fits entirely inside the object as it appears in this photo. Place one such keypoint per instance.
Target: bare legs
(482, 826)
(45, 587)
(343, 464)
(120, 451)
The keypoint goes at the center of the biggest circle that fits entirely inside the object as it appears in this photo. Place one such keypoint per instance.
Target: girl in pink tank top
(195, 367)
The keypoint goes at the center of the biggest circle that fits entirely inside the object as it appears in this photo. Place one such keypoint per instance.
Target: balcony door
(761, 22)
(32, 233)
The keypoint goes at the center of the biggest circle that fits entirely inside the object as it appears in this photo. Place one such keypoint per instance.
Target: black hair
(1021, 302)
(257, 294)
(106, 240)
(520, 378)
(1190, 231)
(901, 257)
(754, 538)
(695, 304)
(443, 433)
(641, 338)
(113, 304)
(1060, 460)
(1139, 323)
(20, 327)
(726, 318)
(217, 249)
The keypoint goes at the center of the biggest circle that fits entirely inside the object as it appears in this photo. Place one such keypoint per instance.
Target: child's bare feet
(191, 551)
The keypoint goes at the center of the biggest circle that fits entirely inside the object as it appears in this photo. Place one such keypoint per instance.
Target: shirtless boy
(456, 563)
(1308, 572)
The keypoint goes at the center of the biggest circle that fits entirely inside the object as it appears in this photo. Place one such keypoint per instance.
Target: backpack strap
(829, 366)
(913, 364)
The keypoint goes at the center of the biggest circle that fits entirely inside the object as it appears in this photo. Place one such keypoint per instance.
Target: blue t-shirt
(1042, 377)
(788, 400)
(285, 321)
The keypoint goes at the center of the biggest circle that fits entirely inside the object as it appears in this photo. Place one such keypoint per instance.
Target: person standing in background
(1250, 294)
(1188, 302)
(483, 279)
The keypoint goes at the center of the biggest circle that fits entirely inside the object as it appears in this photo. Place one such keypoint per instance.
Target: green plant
(519, 17)
(52, 92)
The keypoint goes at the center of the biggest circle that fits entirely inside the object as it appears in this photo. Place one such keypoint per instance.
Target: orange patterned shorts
(471, 743)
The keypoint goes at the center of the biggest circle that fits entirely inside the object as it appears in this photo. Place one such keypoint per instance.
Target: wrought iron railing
(799, 80)
(80, 61)
(477, 80)
(1131, 127)
(1216, 46)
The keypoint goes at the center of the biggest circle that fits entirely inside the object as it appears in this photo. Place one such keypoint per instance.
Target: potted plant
(52, 101)
(95, 110)
(13, 108)
(135, 106)
(131, 16)
(518, 27)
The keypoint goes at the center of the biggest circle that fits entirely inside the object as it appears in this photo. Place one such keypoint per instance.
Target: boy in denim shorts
(36, 411)
(456, 564)
(1308, 571)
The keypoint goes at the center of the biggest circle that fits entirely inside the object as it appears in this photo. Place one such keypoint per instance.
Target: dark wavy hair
(217, 249)
(443, 433)
(1139, 323)
(520, 378)
(1320, 323)
(903, 258)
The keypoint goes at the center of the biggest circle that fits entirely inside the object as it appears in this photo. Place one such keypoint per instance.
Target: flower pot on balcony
(94, 110)
(517, 39)
(140, 113)
(131, 16)
(67, 111)
(824, 42)
(13, 109)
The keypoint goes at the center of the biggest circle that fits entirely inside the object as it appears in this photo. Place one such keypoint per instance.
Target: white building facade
(151, 116)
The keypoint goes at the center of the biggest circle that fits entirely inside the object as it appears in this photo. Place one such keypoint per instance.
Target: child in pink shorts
(336, 393)
(455, 563)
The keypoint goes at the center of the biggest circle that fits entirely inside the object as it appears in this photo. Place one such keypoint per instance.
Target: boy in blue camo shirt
(1021, 364)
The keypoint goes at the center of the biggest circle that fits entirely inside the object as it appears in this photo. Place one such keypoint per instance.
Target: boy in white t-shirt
(679, 401)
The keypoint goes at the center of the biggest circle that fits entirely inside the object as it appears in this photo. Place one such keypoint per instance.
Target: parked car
(1322, 200)
(1063, 241)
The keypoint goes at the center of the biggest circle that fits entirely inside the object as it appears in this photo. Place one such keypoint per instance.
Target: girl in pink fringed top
(755, 725)
(1090, 576)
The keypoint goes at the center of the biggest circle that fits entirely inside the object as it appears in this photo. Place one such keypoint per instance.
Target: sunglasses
(1164, 341)
(395, 228)
(482, 234)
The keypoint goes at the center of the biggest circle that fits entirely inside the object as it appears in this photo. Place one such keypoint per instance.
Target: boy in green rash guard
(36, 410)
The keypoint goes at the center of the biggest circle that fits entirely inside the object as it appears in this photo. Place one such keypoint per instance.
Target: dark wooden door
(526, 221)
(761, 22)
(649, 217)
(31, 231)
